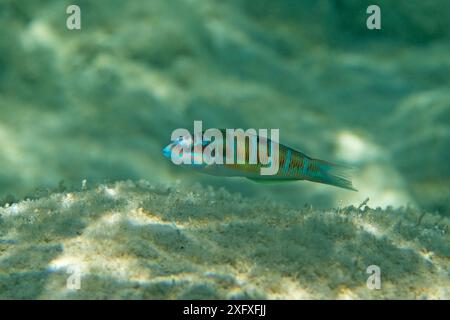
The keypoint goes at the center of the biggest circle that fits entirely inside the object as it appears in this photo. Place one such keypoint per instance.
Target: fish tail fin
(333, 174)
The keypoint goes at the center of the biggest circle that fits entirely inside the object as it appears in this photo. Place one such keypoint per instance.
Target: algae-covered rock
(137, 240)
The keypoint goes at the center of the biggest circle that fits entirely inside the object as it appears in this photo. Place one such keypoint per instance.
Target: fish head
(183, 142)
(184, 146)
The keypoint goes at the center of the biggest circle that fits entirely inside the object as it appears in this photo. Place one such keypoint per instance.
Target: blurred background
(100, 103)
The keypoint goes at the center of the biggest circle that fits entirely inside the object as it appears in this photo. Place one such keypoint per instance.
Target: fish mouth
(167, 151)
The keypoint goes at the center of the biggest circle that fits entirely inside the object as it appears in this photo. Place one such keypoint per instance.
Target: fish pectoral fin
(270, 181)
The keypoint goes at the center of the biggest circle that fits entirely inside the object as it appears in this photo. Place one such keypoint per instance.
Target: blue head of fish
(184, 147)
(181, 142)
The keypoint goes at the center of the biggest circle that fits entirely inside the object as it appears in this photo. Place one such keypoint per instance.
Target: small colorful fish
(293, 165)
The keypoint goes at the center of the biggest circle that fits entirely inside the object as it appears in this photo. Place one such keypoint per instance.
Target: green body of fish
(293, 165)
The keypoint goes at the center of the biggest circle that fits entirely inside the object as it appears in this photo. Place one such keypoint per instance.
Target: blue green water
(99, 104)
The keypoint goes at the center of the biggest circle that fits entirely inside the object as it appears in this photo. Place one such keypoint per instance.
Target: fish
(293, 165)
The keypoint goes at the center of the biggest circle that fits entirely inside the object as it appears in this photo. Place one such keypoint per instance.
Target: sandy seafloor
(134, 240)
(100, 104)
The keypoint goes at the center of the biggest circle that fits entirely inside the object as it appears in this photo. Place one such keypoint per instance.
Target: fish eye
(183, 140)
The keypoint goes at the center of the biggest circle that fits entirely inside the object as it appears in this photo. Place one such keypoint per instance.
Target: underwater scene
(352, 98)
